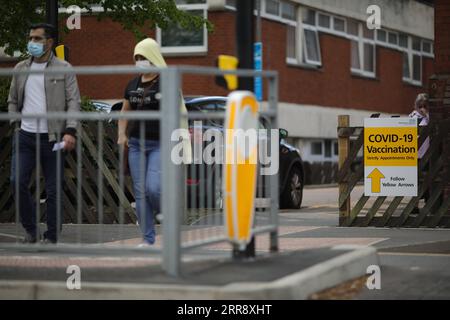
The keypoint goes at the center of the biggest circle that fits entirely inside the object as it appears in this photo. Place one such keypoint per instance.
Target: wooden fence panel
(112, 192)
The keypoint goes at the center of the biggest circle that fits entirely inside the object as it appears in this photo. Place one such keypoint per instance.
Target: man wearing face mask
(39, 94)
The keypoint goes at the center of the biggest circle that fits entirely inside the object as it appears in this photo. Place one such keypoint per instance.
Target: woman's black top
(143, 96)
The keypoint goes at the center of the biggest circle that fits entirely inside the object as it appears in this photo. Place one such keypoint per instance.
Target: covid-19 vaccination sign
(390, 157)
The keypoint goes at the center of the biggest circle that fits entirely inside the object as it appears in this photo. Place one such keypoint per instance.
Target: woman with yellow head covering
(143, 93)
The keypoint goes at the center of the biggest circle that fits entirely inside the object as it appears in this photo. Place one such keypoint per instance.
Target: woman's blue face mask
(35, 49)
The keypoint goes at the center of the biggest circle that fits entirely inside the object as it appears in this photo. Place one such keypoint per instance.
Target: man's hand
(69, 142)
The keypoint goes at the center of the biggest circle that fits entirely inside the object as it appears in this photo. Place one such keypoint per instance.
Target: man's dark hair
(49, 30)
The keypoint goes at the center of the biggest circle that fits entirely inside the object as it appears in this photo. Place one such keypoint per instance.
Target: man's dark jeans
(26, 164)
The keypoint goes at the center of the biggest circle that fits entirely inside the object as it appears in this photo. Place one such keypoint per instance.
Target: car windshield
(205, 107)
(214, 106)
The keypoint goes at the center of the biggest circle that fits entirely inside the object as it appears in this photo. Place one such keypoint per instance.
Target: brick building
(439, 87)
(329, 62)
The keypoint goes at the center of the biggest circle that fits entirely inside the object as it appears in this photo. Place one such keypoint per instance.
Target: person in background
(39, 94)
(421, 113)
(141, 94)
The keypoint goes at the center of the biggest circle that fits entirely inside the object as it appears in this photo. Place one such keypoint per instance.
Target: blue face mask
(35, 49)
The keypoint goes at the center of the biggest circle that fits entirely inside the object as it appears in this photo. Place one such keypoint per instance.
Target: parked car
(201, 178)
(291, 172)
(105, 107)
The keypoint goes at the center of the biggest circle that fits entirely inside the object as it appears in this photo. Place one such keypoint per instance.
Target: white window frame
(304, 50)
(308, 148)
(330, 30)
(337, 32)
(316, 157)
(298, 54)
(301, 58)
(318, 14)
(230, 7)
(361, 40)
(301, 50)
(379, 41)
(187, 50)
(391, 45)
(428, 54)
(278, 17)
(300, 45)
(271, 16)
(411, 53)
(293, 4)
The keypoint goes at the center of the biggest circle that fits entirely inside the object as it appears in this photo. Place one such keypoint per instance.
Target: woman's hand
(122, 140)
(122, 125)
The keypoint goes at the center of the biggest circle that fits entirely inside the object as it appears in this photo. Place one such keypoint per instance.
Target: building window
(284, 11)
(291, 43)
(381, 35)
(403, 40)
(416, 44)
(176, 40)
(338, 24)
(316, 148)
(427, 47)
(308, 17)
(412, 59)
(392, 38)
(356, 63)
(310, 44)
(303, 46)
(272, 7)
(288, 11)
(231, 3)
(362, 48)
(328, 146)
(352, 28)
(312, 48)
(324, 21)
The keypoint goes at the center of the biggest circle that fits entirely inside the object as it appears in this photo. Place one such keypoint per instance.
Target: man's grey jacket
(61, 91)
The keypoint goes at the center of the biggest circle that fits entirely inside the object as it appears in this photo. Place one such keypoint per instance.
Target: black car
(202, 178)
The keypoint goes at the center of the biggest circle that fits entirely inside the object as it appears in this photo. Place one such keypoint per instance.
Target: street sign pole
(52, 17)
(244, 43)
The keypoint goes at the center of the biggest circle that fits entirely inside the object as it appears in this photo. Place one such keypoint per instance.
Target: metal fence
(96, 186)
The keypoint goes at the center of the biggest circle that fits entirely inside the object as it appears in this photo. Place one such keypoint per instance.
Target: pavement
(314, 255)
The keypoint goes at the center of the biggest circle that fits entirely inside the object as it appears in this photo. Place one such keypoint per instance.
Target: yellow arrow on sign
(376, 177)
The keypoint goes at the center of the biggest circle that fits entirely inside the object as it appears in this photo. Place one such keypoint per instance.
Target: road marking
(84, 262)
(293, 244)
(414, 254)
(10, 236)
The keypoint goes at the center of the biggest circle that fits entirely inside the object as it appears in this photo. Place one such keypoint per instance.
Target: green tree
(136, 16)
(5, 83)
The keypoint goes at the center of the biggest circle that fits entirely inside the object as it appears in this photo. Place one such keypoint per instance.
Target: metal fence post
(344, 149)
(172, 188)
(273, 101)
